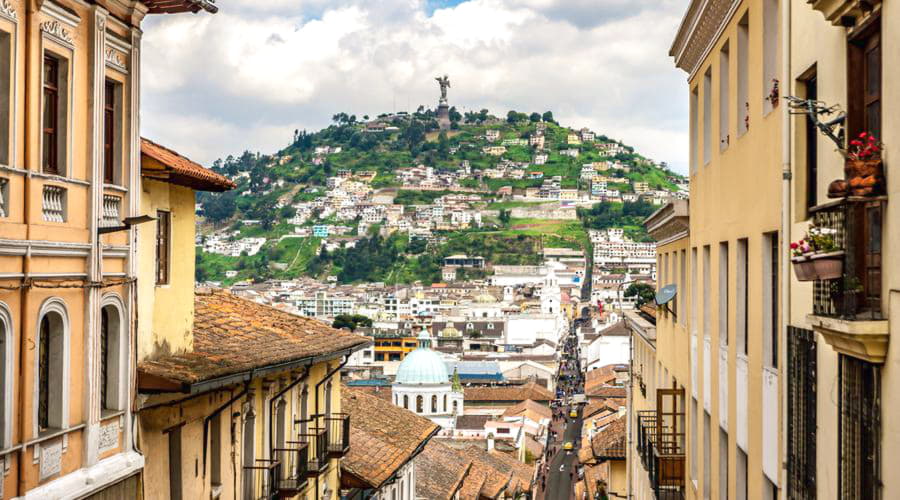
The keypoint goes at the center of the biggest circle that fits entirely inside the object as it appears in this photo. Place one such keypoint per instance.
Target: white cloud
(247, 76)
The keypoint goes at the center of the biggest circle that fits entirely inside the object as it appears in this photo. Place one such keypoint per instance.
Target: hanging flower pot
(863, 168)
(827, 266)
(804, 268)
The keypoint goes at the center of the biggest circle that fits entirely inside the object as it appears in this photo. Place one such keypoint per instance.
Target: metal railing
(338, 427)
(855, 224)
(263, 478)
(661, 457)
(294, 460)
(317, 451)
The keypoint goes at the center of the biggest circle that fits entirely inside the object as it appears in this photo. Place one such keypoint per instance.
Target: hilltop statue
(444, 82)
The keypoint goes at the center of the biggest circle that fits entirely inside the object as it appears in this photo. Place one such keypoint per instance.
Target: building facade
(69, 179)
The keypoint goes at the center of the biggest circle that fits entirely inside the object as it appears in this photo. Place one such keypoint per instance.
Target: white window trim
(6, 322)
(115, 301)
(58, 306)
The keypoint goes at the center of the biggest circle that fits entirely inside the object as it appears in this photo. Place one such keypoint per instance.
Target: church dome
(422, 366)
(450, 332)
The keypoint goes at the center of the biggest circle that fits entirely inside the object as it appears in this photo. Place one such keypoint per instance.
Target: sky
(248, 76)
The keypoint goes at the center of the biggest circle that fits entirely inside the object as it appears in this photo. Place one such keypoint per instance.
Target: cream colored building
(69, 167)
(235, 399)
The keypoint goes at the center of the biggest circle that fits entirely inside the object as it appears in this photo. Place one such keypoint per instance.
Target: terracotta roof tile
(180, 170)
(610, 442)
(530, 390)
(234, 335)
(531, 409)
(471, 422)
(495, 480)
(606, 391)
(383, 437)
(440, 471)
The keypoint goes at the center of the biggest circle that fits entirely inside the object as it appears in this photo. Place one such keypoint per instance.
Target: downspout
(272, 400)
(786, 141)
(318, 385)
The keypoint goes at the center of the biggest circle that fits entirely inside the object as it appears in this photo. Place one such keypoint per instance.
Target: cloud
(246, 77)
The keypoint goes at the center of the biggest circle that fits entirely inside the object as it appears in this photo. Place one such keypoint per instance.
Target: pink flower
(862, 135)
(794, 246)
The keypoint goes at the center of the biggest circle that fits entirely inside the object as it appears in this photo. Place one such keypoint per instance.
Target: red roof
(169, 166)
(178, 6)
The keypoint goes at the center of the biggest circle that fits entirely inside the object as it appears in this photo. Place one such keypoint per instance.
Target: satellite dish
(666, 294)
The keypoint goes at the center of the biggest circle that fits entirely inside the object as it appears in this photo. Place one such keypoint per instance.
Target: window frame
(109, 131)
(163, 247)
(50, 112)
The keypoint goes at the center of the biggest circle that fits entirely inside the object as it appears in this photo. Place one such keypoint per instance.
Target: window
(328, 396)
(434, 404)
(694, 291)
(694, 125)
(811, 86)
(445, 404)
(51, 382)
(707, 456)
(55, 114)
(707, 278)
(215, 450)
(280, 422)
(456, 407)
(770, 54)
(695, 429)
(110, 357)
(723, 293)
(405, 401)
(864, 81)
(682, 285)
(801, 414)
(770, 491)
(175, 463)
(707, 116)
(743, 101)
(770, 299)
(859, 429)
(248, 451)
(723, 463)
(304, 410)
(6, 378)
(112, 136)
(6, 71)
(163, 235)
(420, 405)
(724, 137)
(741, 479)
(743, 295)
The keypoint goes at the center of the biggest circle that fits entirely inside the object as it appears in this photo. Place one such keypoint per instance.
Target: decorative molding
(7, 10)
(116, 59)
(60, 14)
(56, 30)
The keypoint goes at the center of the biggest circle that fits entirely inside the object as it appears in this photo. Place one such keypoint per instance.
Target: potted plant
(863, 166)
(774, 93)
(816, 257)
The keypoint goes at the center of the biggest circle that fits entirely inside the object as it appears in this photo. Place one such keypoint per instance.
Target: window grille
(801, 409)
(859, 431)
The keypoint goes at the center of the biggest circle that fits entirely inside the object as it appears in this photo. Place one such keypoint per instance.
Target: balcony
(317, 451)
(848, 311)
(338, 428)
(260, 480)
(660, 452)
(294, 462)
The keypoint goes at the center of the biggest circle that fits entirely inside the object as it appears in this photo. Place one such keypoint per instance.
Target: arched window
(328, 399)
(456, 407)
(420, 404)
(406, 401)
(434, 404)
(6, 350)
(304, 410)
(110, 357)
(52, 366)
(445, 403)
(249, 450)
(280, 422)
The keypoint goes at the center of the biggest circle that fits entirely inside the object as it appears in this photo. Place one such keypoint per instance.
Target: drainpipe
(319, 384)
(786, 141)
(272, 400)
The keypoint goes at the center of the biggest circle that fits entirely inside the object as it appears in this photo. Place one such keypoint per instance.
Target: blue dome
(422, 366)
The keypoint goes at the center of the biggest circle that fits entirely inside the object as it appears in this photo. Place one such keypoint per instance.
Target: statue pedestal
(443, 116)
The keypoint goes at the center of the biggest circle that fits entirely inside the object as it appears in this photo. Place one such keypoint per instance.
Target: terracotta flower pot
(837, 189)
(803, 269)
(864, 177)
(828, 266)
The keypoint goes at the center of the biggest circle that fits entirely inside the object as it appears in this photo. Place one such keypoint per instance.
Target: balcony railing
(294, 462)
(53, 204)
(263, 479)
(856, 224)
(848, 310)
(661, 456)
(338, 427)
(317, 446)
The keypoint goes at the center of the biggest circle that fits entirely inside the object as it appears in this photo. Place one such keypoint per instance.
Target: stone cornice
(699, 30)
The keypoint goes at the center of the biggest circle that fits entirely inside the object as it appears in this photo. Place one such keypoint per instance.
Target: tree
(535, 117)
(644, 292)
(443, 146)
(455, 116)
(351, 321)
(548, 116)
(505, 217)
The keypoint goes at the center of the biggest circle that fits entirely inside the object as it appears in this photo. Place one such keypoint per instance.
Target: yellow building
(842, 364)
(69, 143)
(394, 345)
(235, 399)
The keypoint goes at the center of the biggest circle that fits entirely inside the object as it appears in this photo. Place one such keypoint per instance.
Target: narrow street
(559, 469)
